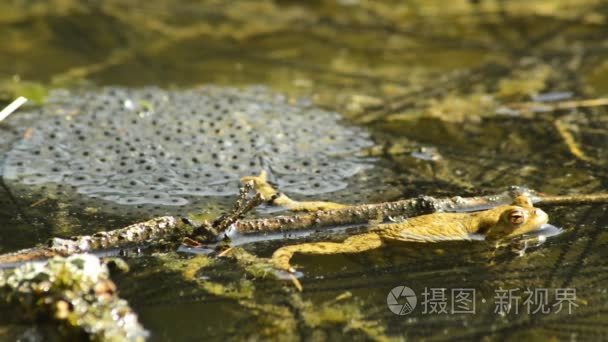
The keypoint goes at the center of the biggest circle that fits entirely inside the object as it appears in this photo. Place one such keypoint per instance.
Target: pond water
(436, 92)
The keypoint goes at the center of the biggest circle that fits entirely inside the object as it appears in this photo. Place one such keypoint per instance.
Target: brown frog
(500, 222)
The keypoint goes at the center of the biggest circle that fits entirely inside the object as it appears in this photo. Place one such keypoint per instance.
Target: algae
(73, 295)
(440, 72)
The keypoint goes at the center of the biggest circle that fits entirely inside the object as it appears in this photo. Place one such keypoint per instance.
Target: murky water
(435, 87)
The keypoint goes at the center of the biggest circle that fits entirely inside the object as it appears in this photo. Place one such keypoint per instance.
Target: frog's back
(431, 228)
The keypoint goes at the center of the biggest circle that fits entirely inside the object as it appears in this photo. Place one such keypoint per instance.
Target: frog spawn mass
(151, 147)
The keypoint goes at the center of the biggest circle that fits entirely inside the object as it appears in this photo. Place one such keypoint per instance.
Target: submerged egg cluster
(156, 147)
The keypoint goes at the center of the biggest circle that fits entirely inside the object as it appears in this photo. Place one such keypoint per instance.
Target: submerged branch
(153, 231)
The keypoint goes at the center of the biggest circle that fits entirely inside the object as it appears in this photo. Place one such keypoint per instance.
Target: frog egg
(152, 149)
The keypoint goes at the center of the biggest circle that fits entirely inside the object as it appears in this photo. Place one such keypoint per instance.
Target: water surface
(420, 76)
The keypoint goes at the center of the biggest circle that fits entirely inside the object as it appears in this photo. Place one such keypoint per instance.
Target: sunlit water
(425, 80)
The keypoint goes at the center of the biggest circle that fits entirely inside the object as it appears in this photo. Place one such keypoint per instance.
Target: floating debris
(427, 153)
(151, 147)
(553, 96)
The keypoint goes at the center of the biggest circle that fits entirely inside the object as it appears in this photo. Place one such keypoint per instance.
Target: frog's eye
(516, 217)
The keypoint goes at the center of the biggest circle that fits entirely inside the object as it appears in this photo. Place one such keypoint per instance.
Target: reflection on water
(430, 82)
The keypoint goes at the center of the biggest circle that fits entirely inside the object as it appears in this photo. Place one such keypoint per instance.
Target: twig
(39, 202)
(210, 232)
(570, 142)
(574, 199)
(240, 208)
(13, 106)
(535, 107)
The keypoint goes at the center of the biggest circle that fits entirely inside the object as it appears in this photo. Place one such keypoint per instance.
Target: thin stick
(535, 107)
(13, 106)
(574, 199)
(570, 142)
(241, 207)
(210, 231)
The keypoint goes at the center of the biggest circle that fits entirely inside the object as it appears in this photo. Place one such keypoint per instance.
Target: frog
(493, 225)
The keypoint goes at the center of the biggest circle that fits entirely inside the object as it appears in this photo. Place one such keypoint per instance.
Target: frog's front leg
(354, 244)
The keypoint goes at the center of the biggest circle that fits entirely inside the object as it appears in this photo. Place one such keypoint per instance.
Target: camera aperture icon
(401, 300)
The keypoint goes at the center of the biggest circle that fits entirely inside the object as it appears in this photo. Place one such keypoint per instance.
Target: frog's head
(518, 218)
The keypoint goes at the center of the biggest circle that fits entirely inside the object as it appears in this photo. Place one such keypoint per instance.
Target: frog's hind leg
(268, 193)
(354, 244)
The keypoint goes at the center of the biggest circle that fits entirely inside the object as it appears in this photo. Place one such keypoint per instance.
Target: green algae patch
(273, 320)
(253, 265)
(193, 270)
(193, 265)
(342, 311)
(452, 108)
(15, 87)
(282, 314)
(525, 82)
(241, 290)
